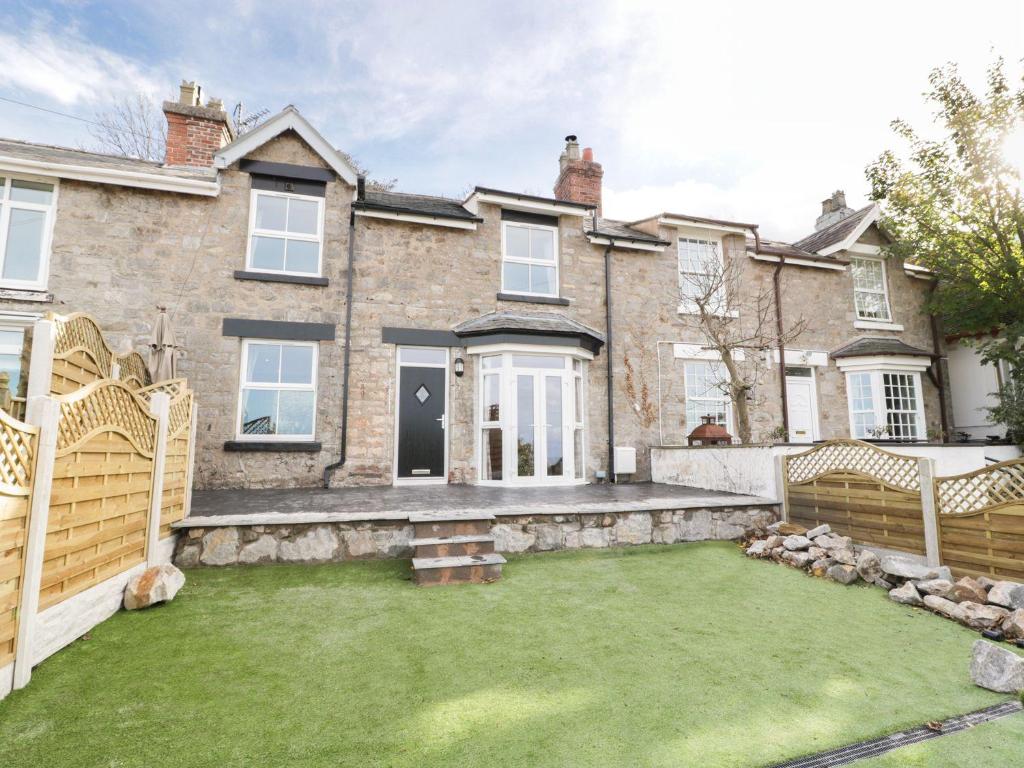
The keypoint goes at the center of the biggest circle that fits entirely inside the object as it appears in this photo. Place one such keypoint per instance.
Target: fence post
(780, 485)
(43, 412)
(190, 458)
(929, 510)
(159, 406)
(40, 364)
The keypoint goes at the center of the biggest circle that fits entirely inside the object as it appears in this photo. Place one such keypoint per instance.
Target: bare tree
(378, 185)
(132, 127)
(735, 313)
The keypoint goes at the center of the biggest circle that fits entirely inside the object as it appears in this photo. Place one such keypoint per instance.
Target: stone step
(462, 569)
(449, 546)
(453, 525)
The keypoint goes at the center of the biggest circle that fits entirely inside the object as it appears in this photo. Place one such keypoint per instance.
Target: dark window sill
(533, 299)
(272, 446)
(268, 277)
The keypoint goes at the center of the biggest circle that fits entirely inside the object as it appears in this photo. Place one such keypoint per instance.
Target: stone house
(339, 334)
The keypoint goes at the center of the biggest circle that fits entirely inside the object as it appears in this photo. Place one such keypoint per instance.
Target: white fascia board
(865, 249)
(112, 176)
(809, 357)
(798, 262)
(493, 349)
(699, 352)
(515, 203)
(869, 218)
(433, 221)
(916, 270)
(288, 119)
(674, 221)
(884, 363)
(631, 245)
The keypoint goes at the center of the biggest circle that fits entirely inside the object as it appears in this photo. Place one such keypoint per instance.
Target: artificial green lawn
(646, 656)
(1000, 743)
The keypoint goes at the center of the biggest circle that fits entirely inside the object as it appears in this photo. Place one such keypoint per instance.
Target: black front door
(421, 424)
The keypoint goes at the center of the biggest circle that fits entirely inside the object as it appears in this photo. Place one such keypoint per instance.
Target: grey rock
(986, 582)
(590, 538)
(315, 545)
(941, 605)
(188, 557)
(817, 552)
(996, 669)
(798, 558)
(978, 616)
(633, 529)
(820, 567)
(158, 584)
(844, 556)
(549, 536)
(868, 567)
(756, 549)
(1013, 625)
(263, 550)
(220, 547)
(937, 587)
(821, 530)
(773, 542)
(796, 543)
(967, 590)
(1008, 594)
(511, 538)
(834, 541)
(906, 595)
(844, 574)
(905, 568)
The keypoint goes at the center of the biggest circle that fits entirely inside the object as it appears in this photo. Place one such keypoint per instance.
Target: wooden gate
(981, 521)
(860, 490)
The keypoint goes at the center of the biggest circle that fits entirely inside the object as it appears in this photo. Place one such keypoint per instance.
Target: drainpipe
(608, 351)
(936, 371)
(347, 354)
(777, 285)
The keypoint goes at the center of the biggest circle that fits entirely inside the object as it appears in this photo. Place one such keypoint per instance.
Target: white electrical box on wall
(625, 460)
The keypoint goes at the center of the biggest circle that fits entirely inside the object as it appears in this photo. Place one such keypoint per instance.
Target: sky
(749, 111)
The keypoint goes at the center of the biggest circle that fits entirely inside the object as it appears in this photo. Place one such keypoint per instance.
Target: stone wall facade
(332, 542)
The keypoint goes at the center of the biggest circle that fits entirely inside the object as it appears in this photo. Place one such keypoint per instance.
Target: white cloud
(71, 71)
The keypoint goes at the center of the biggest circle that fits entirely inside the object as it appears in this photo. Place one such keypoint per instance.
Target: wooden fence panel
(981, 521)
(82, 356)
(103, 476)
(18, 445)
(176, 463)
(861, 491)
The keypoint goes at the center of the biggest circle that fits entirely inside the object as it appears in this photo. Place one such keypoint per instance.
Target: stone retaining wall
(324, 542)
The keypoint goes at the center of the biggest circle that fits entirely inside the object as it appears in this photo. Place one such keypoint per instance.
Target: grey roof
(619, 229)
(419, 205)
(833, 233)
(779, 248)
(45, 153)
(872, 346)
(528, 322)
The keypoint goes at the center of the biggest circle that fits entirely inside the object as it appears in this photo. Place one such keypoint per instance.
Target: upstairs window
(26, 224)
(870, 289)
(529, 255)
(278, 391)
(701, 273)
(285, 233)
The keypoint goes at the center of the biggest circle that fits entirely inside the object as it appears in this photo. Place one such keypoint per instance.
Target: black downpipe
(347, 354)
(608, 352)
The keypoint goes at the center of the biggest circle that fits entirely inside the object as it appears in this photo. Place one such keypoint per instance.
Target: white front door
(802, 405)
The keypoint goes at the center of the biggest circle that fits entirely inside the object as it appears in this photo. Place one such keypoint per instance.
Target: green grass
(647, 656)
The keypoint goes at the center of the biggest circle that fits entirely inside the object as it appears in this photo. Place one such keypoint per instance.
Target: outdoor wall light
(460, 367)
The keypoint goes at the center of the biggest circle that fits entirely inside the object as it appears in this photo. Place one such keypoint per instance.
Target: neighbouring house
(335, 333)
(974, 384)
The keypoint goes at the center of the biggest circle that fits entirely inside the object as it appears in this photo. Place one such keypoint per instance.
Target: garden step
(439, 524)
(448, 546)
(464, 569)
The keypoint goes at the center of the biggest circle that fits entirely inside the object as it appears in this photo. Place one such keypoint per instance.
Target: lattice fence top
(992, 486)
(854, 456)
(180, 415)
(103, 406)
(172, 387)
(17, 454)
(133, 369)
(79, 331)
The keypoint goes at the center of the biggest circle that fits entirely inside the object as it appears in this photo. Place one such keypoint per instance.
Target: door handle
(442, 420)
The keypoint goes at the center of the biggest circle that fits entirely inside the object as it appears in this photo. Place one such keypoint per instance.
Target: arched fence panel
(178, 456)
(860, 490)
(981, 521)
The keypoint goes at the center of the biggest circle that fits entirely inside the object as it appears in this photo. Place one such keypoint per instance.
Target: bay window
(26, 225)
(285, 233)
(529, 254)
(277, 396)
(886, 405)
(870, 289)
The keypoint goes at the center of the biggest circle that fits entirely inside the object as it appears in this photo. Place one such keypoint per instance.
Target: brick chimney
(195, 132)
(579, 179)
(833, 209)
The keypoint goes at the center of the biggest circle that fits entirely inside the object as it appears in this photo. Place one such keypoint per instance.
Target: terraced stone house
(338, 334)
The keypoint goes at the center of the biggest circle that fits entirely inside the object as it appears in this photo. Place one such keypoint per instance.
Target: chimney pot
(588, 155)
(190, 94)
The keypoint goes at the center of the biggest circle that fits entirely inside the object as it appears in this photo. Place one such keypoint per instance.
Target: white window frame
(281, 235)
(878, 403)
(710, 362)
(530, 262)
(243, 385)
(686, 304)
(884, 292)
(5, 217)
